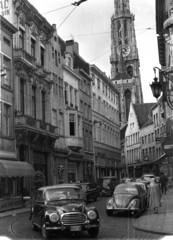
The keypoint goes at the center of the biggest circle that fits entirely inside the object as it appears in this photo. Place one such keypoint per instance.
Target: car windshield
(126, 189)
(62, 193)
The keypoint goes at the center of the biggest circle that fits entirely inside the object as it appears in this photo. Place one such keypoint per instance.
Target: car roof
(63, 185)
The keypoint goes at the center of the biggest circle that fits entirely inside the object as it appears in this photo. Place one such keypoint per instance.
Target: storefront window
(9, 187)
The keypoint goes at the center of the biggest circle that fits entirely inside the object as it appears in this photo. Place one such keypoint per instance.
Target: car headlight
(54, 217)
(92, 215)
(134, 203)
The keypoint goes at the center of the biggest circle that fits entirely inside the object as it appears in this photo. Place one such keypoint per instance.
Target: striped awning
(16, 169)
(168, 22)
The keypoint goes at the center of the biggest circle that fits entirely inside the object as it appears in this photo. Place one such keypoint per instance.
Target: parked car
(107, 185)
(124, 180)
(148, 176)
(61, 208)
(128, 197)
(90, 191)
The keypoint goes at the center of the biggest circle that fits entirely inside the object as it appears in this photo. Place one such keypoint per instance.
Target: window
(56, 58)
(32, 47)
(72, 124)
(53, 53)
(66, 93)
(21, 38)
(79, 127)
(43, 102)
(22, 96)
(6, 41)
(61, 124)
(42, 52)
(71, 95)
(61, 87)
(93, 78)
(33, 102)
(7, 68)
(6, 120)
(69, 62)
(54, 113)
(59, 58)
(98, 83)
(75, 97)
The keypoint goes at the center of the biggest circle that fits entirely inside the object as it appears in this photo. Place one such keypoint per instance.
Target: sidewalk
(14, 212)
(161, 223)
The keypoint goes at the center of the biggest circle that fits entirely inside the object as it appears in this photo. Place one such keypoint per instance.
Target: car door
(38, 207)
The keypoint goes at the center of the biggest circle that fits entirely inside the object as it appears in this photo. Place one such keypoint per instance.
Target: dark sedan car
(61, 208)
(128, 197)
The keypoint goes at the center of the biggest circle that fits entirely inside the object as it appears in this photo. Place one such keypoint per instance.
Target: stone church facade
(124, 59)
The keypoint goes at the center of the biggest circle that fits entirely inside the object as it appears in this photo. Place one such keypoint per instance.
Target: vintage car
(128, 197)
(62, 209)
(107, 185)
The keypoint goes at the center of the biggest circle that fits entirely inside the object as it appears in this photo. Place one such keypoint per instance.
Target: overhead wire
(66, 17)
(57, 9)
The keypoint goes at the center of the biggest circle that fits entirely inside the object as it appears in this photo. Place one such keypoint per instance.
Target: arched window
(130, 70)
(119, 30)
(127, 96)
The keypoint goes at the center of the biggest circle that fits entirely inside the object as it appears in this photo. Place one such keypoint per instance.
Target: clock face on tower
(125, 49)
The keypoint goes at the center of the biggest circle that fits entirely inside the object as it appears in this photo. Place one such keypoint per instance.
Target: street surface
(114, 227)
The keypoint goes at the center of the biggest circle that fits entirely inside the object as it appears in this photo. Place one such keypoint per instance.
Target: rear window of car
(62, 193)
(126, 189)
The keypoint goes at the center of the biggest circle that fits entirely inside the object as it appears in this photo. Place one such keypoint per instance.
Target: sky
(89, 25)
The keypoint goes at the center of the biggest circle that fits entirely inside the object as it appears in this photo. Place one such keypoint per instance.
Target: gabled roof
(149, 122)
(120, 76)
(142, 112)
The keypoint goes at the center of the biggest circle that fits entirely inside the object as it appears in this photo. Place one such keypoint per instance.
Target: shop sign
(5, 8)
(168, 146)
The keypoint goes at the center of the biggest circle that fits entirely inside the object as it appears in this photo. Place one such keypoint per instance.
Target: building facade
(38, 90)
(124, 59)
(106, 127)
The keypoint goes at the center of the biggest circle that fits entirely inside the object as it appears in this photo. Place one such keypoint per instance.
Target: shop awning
(16, 169)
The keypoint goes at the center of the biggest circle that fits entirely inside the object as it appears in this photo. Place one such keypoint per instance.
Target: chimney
(72, 46)
(54, 26)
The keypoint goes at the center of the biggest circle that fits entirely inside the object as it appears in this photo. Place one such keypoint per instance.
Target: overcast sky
(89, 25)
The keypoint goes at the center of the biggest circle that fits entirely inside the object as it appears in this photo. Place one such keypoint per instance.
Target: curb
(14, 212)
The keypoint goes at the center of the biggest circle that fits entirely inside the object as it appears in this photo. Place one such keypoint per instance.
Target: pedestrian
(154, 196)
(170, 181)
(163, 183)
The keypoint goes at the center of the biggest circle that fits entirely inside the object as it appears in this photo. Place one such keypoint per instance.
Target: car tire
(139, 213)
(45, 233)
(95, 199)
(109, 213)
(34, 227)
(93, 232)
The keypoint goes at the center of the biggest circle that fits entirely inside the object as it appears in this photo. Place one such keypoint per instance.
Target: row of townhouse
(144, 135)
(57, 126)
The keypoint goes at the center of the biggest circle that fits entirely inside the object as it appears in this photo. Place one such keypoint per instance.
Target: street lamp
(166, 87)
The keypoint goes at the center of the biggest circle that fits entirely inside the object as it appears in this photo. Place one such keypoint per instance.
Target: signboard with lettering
(6, 9)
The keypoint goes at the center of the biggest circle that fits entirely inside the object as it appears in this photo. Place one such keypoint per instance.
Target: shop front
(11, 191)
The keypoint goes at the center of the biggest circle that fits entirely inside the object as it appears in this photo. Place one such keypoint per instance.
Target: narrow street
(115, 227)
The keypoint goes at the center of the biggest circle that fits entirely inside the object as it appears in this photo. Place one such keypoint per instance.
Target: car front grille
(73, 219)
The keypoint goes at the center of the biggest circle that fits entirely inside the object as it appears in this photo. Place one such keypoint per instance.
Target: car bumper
(68, 228)
(123, 209)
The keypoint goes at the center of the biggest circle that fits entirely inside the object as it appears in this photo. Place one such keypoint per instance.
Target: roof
(149, 122)
(121, 76)
(63, 185)
(142, 112)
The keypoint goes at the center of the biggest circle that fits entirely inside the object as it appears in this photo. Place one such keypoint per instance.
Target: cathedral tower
(125, 73)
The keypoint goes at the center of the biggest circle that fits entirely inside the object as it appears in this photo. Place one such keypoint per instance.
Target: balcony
(24, 57)
(22, 121)
(74, 142)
